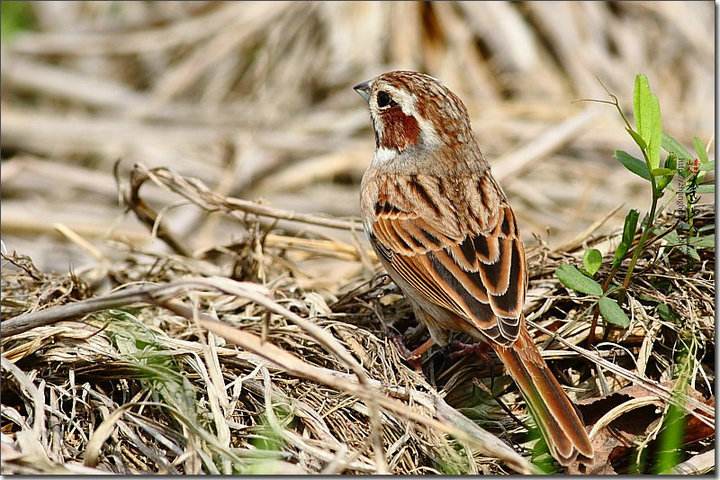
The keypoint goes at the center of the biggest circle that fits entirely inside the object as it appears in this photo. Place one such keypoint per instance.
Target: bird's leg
(461, 349)
(419, 351)
(412, 356)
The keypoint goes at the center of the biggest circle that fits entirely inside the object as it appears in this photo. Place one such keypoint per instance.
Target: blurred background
(255, 100)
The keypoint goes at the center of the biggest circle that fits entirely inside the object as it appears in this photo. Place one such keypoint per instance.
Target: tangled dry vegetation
(221, 362)
(200, 331)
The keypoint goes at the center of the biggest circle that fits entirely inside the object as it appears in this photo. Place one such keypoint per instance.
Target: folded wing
(478, 274)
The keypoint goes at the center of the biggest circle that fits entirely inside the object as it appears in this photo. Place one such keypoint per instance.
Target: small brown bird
(445, 232)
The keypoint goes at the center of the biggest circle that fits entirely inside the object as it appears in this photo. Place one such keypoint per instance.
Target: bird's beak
(363, 89)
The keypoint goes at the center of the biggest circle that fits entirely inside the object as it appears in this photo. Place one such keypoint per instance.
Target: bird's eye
(384, 100)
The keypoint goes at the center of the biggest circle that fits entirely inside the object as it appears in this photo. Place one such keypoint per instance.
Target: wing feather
(478, 275)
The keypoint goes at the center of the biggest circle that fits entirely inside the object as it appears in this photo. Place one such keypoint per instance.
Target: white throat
(383, 156)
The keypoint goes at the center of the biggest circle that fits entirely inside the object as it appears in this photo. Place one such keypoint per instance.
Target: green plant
(673, 430)
(659, 172)
(541, 457)
(268, 441)
(15, 17)
(157, 369)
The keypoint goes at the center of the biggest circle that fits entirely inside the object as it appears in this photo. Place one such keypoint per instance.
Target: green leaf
(612, 313)
(592, 261)
(635, 165)
(664, 181)
(574, 279)
(638, 139)
(672, 238)
(691, 252)
(629, 228)
(648, 121)
(670, 145)
(684, 245)
(700, 150)
(671, 162)
(660, 172)
(667, 313)
(661, 183)
(671, 437)
(663, 178)
(15, 17)
(706, 241)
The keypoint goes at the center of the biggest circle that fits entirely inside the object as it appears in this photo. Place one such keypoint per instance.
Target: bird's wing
(467, 258)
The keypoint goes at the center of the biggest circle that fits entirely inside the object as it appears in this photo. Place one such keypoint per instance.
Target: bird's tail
(555, 416)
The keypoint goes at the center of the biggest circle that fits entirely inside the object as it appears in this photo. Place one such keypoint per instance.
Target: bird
(445, 232)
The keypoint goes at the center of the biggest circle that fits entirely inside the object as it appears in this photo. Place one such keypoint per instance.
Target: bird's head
(413, 110)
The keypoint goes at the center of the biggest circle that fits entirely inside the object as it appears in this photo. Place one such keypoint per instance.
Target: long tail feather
(552, 410)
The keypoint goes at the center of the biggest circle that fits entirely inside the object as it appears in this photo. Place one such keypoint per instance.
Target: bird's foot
(412, 356)
(461, 349)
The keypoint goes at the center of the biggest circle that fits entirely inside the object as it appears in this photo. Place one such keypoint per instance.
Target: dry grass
(232, 318)
(189, 366)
